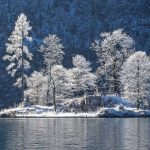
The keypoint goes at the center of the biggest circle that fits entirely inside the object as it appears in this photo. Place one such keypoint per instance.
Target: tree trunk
(105, 89)
(138, 86)
(54, 98)
(114, 88)
(23, 100)
(54, 93)
(22, 74)
(50, 78)
(48, 86)
(37, 97)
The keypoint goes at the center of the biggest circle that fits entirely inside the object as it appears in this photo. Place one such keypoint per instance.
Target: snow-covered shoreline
(47, 112)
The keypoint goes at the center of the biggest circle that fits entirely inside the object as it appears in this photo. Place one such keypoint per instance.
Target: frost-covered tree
(53, 55)
(36, 85)
(18, 53)
(81, 77)
(135, 78)
(77, 22)
(112, 50)
(59, 80)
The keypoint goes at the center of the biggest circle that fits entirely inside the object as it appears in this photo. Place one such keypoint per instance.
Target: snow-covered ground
(112, 107)
(123, 112)
(48, 112)
(42, 111)
(116, 100)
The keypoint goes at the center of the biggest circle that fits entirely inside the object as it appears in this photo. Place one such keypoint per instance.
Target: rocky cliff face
(76, 22)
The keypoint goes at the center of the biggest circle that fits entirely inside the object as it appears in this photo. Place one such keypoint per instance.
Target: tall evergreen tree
(18, 53)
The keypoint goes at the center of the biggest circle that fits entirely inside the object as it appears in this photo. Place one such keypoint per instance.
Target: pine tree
(135, 77)
(18, 53)
(53, 55)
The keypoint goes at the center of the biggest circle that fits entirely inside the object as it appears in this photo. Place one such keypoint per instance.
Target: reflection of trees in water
(104, 133)
(75, 133)
(136, 133)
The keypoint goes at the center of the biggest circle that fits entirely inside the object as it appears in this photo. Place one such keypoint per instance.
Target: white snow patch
(116, 100)
(48, 112)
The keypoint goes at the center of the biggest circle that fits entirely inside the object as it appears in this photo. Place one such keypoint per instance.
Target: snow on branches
(18, 54)
(135, 77)
(112, 50)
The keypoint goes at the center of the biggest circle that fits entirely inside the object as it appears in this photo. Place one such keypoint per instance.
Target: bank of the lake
(38, 111)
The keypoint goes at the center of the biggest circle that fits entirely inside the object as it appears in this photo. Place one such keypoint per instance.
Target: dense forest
(77, 24)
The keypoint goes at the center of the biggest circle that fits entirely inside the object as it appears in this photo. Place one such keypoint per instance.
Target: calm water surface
(75, 134)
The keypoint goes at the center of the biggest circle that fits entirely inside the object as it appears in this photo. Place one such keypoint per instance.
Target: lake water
(75, 134)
